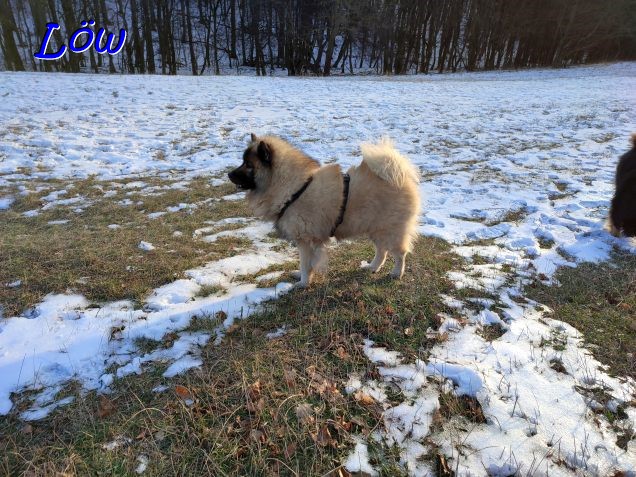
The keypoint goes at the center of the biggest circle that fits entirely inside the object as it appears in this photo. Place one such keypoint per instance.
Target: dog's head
(256, 166)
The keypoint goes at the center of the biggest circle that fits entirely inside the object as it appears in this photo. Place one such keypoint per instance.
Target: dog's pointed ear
(264, 152)
(253, 137)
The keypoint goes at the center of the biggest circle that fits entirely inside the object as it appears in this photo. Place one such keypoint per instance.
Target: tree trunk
(38, 11)
(138, 47)
(150, 49)
(232, 52)
(193, 56)
(71, 25)
(12, 58)
(217, 70)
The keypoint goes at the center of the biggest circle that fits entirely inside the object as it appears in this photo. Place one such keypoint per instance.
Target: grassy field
(257, 406)
(71, 247)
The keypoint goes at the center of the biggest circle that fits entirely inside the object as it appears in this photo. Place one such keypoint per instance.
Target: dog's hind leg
(378, 260)
(400, 261)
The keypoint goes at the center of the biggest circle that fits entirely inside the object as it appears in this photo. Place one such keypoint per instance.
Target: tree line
(322, 37)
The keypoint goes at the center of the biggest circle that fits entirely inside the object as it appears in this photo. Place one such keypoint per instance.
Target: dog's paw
(609, 226)
(367, 266)
(364, 265)
(301, 285)
(396, 275)
(295, 274)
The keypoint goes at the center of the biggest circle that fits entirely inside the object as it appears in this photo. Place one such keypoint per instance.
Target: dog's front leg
(319, 259)
(306, 273)
(611, 228)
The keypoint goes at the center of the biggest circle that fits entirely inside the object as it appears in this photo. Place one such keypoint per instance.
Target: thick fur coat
(622, 217)
(383, 201)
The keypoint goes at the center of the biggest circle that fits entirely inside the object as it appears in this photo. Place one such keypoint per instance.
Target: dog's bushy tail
(387, 163)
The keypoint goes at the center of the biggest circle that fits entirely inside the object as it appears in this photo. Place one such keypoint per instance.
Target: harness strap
(294, 198)
(343, 206)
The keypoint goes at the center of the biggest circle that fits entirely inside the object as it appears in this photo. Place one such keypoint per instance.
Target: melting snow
(518, 170)
(146, 246)
(358, 460)
(5, 202)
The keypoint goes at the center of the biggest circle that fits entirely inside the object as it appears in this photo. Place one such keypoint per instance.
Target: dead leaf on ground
(105, 407)
(255, 402)
(170, 338)
(443, 469)
(182, 392)
(323, 437)
(116, 333)
(341, 353)
(255, 389)
(439, 319)
(257, 435)
(324, 387)
(290, 450)
(327, 390)
(363, 398)
(289, 376)
(442, 337)
(305, 413)
(343, 424)
(255, 406)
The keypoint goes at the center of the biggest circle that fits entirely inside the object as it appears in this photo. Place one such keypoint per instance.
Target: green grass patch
(599, 300)
(208, 290)
(545, 243)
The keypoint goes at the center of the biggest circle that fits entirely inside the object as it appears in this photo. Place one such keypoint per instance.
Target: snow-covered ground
(517, 169)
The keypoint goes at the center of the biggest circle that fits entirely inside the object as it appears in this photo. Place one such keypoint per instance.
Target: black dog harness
(296, 195)
(343, 206)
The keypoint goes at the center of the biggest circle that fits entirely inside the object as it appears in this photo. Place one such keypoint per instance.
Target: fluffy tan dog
(379, 199)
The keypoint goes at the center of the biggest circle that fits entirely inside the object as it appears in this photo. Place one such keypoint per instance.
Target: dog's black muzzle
(242, 179)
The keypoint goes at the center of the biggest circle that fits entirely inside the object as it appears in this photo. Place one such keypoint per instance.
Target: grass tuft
(466, 407)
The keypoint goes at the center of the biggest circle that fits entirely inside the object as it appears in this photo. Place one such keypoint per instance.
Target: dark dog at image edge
(622, 217)
(309, 203)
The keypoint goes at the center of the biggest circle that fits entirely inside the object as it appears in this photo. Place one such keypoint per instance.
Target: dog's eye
(248, 165)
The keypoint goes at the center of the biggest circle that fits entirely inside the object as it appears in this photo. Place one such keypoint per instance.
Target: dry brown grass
(256, 406)
(86, 256)
(260, 406)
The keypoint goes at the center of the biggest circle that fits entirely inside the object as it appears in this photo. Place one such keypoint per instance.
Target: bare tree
(319, 37)
(12, 58)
